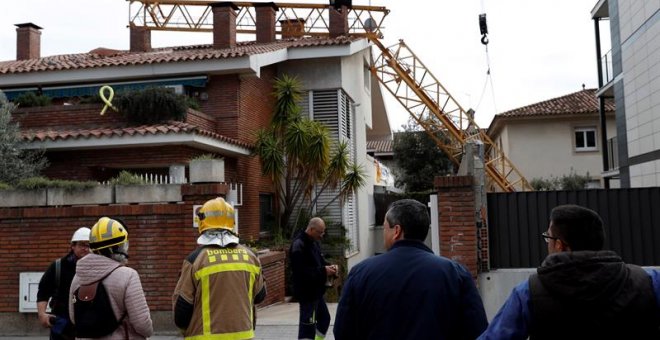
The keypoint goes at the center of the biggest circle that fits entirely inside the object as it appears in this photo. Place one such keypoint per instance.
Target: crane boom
(400, 71)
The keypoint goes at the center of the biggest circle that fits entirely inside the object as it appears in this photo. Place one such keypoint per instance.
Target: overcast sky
(538, 49)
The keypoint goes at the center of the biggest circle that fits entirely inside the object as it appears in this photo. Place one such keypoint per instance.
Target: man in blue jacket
(408, 292)
(310, 272)
(580, 291)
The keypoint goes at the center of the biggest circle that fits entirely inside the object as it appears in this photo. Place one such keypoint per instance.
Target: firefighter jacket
(217, 291)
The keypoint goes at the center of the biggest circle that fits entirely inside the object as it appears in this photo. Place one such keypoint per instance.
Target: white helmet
(82, 234)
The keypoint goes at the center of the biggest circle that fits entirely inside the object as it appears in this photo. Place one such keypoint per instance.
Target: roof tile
(171, 127)
(101, 58)
(581, 102)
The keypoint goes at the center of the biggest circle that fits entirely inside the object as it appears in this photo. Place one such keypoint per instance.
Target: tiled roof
(103, 57)
(172, 127)
(379, 145)
(581, 102)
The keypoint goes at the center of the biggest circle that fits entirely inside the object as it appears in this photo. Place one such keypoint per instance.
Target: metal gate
(516, 221)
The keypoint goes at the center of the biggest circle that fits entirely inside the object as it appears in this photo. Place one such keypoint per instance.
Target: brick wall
(458, 227)
(273, 266)
(161, 235)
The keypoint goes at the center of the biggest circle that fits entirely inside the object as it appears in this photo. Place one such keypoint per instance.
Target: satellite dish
(370, 25)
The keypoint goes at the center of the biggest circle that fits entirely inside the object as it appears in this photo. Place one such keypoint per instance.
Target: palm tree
(296, 153)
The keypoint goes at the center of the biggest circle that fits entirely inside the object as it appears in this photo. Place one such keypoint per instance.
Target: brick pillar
(265, 21)
(224, 25)
(28, 41)
(458, 225)
(140, 39)
(292, 28)
(338, 22)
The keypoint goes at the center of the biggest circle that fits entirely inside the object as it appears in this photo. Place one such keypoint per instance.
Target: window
(266, 216)
(585, 139)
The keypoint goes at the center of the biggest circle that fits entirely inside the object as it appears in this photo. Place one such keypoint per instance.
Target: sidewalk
(275, 322)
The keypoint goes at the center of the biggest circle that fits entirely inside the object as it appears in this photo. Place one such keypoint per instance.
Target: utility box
(27, 295)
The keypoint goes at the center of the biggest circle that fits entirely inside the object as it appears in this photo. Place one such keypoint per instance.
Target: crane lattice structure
(397, 68)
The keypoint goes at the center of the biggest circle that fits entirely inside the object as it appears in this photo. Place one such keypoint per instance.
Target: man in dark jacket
(310, 272)
(54, 286)
(580, 291)
(409, 292)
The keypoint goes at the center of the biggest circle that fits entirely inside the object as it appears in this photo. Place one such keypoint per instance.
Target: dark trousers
(314, 316)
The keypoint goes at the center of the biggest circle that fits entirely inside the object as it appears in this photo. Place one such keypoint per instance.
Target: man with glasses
(310, 273)
(54, 286)
(580, 291)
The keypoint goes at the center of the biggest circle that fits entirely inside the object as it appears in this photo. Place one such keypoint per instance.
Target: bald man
(310, 272)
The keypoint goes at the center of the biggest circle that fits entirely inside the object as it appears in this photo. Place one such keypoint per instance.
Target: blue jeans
(314, 317)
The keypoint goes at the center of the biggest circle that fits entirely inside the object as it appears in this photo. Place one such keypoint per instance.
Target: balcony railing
(606, 63)
(612, 154)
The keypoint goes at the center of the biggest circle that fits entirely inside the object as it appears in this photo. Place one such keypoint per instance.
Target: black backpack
(93, 313)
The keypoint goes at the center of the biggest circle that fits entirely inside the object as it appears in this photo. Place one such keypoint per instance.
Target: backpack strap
(88, 292)
(58, 271)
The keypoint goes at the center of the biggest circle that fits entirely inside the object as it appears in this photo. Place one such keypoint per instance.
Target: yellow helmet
(216, 214)
(107, 233)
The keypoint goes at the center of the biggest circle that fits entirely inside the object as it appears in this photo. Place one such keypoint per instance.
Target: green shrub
(572, 181)
(43, 182)
(152, 105)
(127, 178)
(5, 186)
(31, 99)
(205, 156)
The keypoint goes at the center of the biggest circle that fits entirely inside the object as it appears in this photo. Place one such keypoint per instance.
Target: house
(629, 74)
(232, 82)
(555, 137)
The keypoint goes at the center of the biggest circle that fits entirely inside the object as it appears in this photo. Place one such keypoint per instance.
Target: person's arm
(44, 293)
(512, 321)
(473, 319)
(136, 306)
(312, 273)
(345, 322)
(183, 297)
(655, 281)
(44, 318)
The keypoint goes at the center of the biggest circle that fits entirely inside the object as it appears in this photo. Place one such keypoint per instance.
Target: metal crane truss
(405, 76)
(197, 16)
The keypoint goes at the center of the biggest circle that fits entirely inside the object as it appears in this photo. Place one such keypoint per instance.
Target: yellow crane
(397, 67)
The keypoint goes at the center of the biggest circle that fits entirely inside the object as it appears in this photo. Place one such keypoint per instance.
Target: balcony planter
(207, 171)
(23, 198)
(95, 195)
(148, 193)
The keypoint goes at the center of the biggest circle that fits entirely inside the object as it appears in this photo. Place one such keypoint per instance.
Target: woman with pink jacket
(105, 266)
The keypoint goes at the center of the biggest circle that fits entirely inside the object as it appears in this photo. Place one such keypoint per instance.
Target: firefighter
(220, 281)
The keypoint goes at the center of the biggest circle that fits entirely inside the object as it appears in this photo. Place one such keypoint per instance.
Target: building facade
(627, 34)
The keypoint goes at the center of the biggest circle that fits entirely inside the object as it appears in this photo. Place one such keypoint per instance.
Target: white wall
(541, 148)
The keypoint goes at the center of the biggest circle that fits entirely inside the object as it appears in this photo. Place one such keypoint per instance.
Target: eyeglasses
(547, 237)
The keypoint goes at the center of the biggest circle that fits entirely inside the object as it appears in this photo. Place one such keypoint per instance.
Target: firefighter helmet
(107, 233)
(216, 214)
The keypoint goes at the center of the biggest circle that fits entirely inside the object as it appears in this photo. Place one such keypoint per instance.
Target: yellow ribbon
(107, 101)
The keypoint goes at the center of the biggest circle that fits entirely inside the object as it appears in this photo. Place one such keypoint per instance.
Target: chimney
(292, 28)
(265, 21)
(28, 41)
(140, 39)
(338, 21)
(224, 24)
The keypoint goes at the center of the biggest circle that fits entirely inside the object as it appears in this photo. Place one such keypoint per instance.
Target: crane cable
(483, 28)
